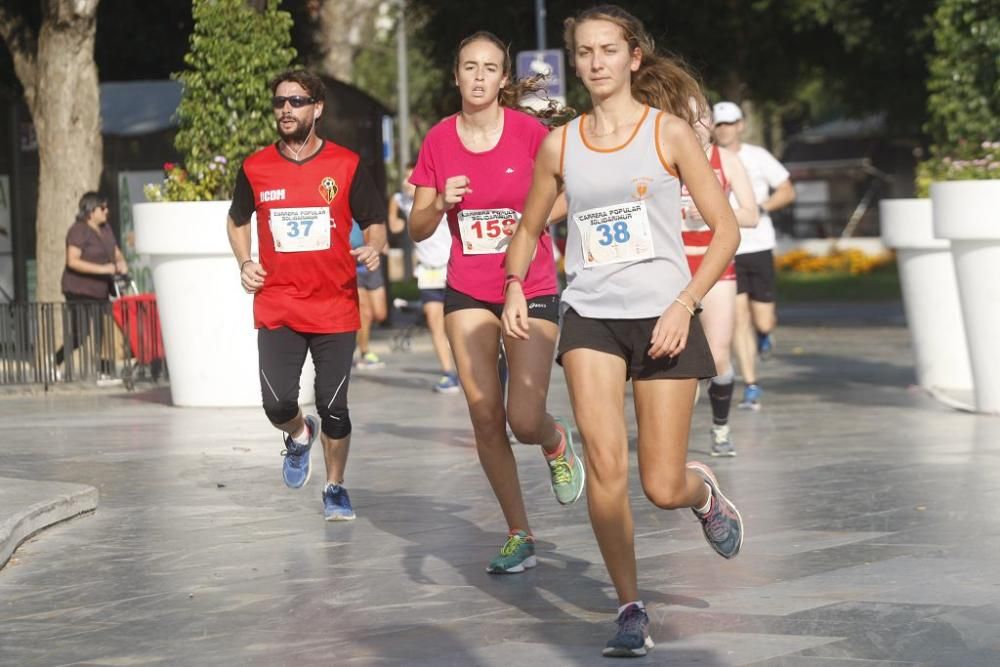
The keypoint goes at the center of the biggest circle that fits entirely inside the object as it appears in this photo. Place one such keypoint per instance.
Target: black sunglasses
(297, 101)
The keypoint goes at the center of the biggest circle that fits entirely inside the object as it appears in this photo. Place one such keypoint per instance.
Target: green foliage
(839, 286)
(178, 185)
(964, 87)
(865, 56)
(224, 113)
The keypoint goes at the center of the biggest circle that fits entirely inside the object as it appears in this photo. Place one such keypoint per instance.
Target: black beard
(298, 135)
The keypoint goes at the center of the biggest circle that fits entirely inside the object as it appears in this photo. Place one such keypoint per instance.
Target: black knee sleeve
(721, 396)
(336, 423)
(279, 412)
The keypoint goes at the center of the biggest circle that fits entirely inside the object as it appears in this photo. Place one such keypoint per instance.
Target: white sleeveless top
(624, 254)
(434, 250)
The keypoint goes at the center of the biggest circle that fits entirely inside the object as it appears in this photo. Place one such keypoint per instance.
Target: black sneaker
(632, 639)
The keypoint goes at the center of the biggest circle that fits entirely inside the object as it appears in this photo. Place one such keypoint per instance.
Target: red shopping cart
(139, 321)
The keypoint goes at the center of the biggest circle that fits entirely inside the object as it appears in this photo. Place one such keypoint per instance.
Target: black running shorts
(629, 339)
(755, 275)
(540, 307)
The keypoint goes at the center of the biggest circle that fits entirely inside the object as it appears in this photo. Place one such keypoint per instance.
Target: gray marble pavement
(869, 531)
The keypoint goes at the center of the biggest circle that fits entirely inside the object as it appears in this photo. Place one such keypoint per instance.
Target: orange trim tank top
(624, 254)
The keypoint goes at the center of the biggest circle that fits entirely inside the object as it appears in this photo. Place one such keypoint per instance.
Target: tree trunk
(345, 27)
(66, 113)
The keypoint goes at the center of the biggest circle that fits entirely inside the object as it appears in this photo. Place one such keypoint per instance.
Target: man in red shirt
(305, 192)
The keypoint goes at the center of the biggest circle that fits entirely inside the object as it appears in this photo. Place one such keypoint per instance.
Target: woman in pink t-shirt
(476, 166)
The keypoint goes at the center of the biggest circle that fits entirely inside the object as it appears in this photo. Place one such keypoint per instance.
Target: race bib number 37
(487, 231)
(301, 229)
(613, 234)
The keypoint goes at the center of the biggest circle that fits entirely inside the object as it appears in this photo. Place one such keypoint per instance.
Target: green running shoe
(567, 470)
(516, 555)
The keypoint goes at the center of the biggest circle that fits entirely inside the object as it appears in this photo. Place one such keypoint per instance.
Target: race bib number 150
(487, 231)
(301, 229)
(613, 234)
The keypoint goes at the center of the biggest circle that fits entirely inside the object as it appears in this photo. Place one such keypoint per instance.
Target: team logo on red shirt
(328, 189)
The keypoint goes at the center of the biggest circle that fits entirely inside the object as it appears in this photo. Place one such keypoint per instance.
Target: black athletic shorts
(432, 295)
(755, 275)
(541, 307)
(282, 352)
(629, 339)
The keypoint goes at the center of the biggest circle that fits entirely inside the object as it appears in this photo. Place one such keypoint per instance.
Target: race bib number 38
(613, 234)
(487, 231)
(301, 229)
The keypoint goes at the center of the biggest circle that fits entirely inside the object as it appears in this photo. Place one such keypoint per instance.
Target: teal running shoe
(516, 555)
(567, 472)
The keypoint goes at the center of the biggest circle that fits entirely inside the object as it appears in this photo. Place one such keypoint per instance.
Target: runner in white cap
(718, 316)
(755, 280)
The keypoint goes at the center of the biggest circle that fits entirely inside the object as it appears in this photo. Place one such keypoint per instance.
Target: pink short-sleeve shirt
(500, 179)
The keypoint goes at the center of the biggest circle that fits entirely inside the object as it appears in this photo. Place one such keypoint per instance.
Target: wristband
(244, 263)
(512, 278)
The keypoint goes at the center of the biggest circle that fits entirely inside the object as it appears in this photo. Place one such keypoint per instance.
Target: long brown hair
(662, 81)
(514, 93)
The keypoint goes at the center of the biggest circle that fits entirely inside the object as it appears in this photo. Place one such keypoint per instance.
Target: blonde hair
(514, 93)
(662, 81)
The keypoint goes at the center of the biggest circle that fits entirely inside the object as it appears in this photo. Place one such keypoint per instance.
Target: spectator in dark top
(93, 258)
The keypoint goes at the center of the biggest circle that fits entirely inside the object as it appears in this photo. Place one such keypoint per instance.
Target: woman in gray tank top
(630, 305)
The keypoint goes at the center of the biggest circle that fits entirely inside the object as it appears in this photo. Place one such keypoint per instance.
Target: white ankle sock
(703, 510)
(303, 437)
(625, 606)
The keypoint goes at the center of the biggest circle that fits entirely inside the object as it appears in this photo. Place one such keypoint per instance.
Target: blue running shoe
(632, 639)
(295, 469)
(337, 504)
(765, 345)
(751, 398)
(448, 384)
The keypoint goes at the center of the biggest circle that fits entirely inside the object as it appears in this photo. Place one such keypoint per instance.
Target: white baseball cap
(726, 112)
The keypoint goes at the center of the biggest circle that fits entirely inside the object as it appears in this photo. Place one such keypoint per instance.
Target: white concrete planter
(206, 317)
(930, 294)
(967, 213)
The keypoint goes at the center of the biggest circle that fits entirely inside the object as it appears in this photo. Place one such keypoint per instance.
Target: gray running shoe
(632, 639)
(722, 442)
(723, 525)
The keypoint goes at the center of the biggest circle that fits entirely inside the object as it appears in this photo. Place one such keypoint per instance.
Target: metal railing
(100, 341)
